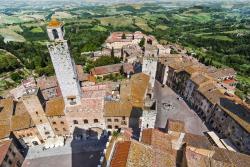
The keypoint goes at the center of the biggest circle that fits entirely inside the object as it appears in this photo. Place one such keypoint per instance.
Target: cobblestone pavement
(84, 159)
(74, 154)
(170, 107)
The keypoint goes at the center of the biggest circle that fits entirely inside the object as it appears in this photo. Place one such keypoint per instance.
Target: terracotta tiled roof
(103, 70)
(54, 23)
(139, 86)
(161, 144)
(215, 157)
(199, 79)
(4, 147)
(55, 107)
(214, 96)
(176, 65)
(4, 130)
(140, 155)
(117, 109)
(196, 141)
(120, 155)
(223, 72)
(46, 82)
(234, 158)
(207, 86)
(6, 111)
(175, 125)
(117, 37)
(134, 90)
(6, 108)
(168, 60)
(21, 119)
(157, 139)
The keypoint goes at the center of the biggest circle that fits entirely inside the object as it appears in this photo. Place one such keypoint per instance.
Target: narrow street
(170, 107)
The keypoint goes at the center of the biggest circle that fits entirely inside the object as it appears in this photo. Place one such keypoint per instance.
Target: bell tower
(63, 63)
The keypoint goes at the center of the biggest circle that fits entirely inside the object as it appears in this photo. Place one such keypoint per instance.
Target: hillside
(217, 34)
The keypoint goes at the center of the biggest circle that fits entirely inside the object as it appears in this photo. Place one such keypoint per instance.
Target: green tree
(142, 42)
(112, 53)
(16, 76)
(123, 36)
(122, 70)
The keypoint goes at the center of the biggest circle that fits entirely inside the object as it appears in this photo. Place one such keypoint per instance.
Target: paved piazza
(170, 107)
(73, 154)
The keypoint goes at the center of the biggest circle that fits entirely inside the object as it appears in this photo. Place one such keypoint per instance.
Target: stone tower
(149, 67)
(63, 64)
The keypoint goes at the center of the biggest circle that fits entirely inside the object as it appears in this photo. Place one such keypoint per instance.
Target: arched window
(75, 122)
(85, 121)
(55, 34)
(95, 120)
(109, 127)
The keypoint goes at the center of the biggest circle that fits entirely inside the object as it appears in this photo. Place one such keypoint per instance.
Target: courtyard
(171, 106)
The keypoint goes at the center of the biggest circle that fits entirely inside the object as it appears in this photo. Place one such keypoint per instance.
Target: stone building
(85, 79)
(223, 74)
(149, 67)
(87, 120)
(163, 66)
(56, 116)
(150, 51)
(131, 53)
(23, 127)
(200, 86)
(63, 64)
(49, 87)
(10, 155)
(34, 103)
(17, 92)
(172, 148)
(230, 120)
(6, 111)
(118, 115)
(29, 83)
(103, 71)
(116, 41)
(148, 118)
(127, 111)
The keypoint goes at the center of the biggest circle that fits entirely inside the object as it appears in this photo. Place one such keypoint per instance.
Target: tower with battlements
(149, 67)
(63, 64)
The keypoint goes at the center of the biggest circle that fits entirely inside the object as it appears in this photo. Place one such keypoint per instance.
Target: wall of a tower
(149, 67)
(65, 72)
(58, 30)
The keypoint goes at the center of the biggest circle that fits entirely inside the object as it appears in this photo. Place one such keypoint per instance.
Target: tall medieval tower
(63, 64)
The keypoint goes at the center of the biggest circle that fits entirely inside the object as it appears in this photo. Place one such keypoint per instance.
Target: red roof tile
(120, 156)
(4, 147)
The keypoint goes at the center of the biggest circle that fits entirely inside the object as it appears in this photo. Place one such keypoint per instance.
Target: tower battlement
(55, 30)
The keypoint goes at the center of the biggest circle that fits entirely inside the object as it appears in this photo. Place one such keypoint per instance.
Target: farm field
(217, 33)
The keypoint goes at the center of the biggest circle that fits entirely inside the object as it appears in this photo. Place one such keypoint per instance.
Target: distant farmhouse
(73, 104)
